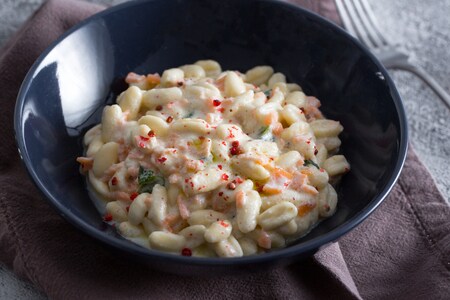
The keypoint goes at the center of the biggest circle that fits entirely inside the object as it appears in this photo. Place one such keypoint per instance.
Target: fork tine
(372, 32)
(358, 25)
(373, 21)
(345, 18)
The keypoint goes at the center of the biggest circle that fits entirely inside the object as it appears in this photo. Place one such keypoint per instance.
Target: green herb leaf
(265, 133)
(309, 162)
(268, 92)
(264, 130)
(147, 180)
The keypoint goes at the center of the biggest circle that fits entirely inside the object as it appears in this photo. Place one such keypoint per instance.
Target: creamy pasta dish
(204, 162)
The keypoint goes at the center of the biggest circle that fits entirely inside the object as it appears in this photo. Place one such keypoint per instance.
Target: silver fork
(359, 20)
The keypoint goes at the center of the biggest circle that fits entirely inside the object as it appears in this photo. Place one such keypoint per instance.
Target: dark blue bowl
(66, 89)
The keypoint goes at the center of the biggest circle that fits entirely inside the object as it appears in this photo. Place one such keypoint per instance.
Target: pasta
(205, 162)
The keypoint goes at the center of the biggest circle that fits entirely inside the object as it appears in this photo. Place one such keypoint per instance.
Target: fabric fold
(403, 247)
(332, 260)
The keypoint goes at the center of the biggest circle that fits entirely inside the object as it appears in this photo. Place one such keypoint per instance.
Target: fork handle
(427, 78)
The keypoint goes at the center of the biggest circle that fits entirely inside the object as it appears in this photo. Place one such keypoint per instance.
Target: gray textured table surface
(422, 28)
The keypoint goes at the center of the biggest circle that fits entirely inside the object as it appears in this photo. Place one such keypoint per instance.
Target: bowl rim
(309, 246)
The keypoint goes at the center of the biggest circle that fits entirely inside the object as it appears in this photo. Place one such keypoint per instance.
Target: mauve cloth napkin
(402, 251)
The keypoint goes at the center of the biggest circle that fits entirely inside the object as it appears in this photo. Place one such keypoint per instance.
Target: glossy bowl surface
(66, 89)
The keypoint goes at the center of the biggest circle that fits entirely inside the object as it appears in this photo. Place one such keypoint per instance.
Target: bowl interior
(65, 92)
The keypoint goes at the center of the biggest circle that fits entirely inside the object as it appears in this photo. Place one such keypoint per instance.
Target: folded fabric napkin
(402, 251)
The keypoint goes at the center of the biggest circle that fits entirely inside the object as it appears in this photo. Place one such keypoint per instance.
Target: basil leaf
(265, 133)
(267, 93)
(309, 162)
(147, 180)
